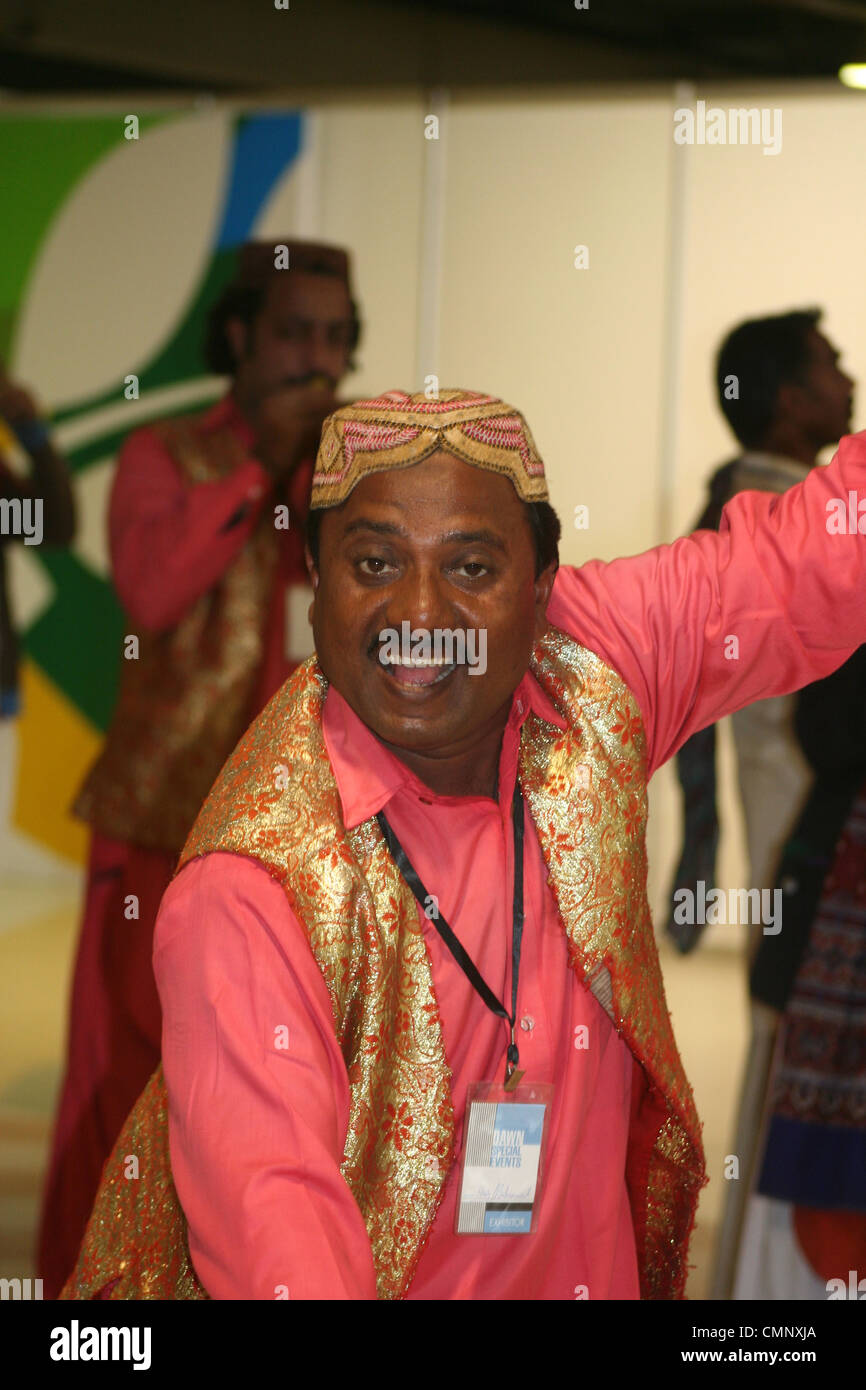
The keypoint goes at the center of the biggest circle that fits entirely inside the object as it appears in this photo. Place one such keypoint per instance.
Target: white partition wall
(372, 161)
(762, 233)
(528, 181)
(766, 233)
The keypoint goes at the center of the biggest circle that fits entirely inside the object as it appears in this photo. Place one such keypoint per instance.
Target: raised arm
(48, 479)
(258, 1092)
(700, 628)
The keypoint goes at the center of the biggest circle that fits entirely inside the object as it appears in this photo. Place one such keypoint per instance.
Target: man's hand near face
(288, 424)
(16, 404)
(49, 476)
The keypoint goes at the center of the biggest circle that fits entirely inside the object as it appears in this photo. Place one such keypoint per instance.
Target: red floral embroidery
(633, 818)
(308, 883)
(390, 918)
(375, 1043)
(627, 726)
(334, 855)
(397, 1125)
(404, 1232)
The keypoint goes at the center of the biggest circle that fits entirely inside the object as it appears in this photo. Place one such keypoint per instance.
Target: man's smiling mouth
(418, 671)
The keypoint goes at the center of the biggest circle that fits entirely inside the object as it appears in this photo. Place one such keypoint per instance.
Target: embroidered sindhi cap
(396, 430)
(257, 261)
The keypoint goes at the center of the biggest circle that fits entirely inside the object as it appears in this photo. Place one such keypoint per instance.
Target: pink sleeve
(709, 624)
(258, 1092)
(170, 541)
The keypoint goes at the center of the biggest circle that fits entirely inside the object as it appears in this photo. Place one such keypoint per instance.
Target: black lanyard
(460, 954)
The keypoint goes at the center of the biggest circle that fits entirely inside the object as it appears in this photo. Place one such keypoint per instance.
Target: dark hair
(546, 531)
(763, 355)
(543, 523)
(244, 302)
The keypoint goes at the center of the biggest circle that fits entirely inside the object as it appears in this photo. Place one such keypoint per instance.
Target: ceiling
(248, 46)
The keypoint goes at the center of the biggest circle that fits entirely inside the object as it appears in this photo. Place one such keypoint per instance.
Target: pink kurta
(283, 1123)
(257, 1129)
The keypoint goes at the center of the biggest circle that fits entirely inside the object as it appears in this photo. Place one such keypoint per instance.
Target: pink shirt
(257, 1132)
(172, 541)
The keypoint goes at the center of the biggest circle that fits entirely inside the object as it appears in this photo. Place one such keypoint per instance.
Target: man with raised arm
(415, 1035)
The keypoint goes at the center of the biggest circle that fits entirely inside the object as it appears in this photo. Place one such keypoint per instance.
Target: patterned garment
(187, 698)
(396, 430)
(363, 928)
(816, 1146)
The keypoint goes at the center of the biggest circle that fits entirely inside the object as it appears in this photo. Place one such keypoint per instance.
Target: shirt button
(519, 706)
(527, 1023)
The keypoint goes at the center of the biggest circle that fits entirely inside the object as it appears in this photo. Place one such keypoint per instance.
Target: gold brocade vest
(276, 801)
(187, 698)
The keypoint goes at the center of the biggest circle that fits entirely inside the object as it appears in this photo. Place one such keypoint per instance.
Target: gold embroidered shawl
(276, 800)
(187, 698)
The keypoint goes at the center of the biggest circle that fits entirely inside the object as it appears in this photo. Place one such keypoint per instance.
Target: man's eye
(373, 565)
(473, 569)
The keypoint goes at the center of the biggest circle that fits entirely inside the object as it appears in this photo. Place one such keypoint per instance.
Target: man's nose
(420, 599)
(320, 354)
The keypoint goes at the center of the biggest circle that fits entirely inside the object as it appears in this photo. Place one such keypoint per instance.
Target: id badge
(503, 1159)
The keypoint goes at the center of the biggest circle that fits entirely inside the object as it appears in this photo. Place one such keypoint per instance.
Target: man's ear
(314, 580)
(311, 568)
(543, 588)
(237, 336)
(789, 401)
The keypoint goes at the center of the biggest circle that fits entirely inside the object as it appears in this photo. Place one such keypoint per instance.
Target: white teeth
(416, 661)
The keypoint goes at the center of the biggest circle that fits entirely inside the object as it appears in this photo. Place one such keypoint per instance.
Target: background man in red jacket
(205, 526)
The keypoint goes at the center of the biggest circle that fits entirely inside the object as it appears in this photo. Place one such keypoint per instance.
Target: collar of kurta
(227, 414)
(368, 774)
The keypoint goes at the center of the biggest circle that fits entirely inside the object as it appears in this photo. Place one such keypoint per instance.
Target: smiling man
(415, 1040)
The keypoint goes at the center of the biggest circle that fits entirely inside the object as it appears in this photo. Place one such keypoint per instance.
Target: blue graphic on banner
(265, 145)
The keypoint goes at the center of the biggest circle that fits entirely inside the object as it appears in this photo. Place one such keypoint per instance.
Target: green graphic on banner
(42, 159)
(77, 639)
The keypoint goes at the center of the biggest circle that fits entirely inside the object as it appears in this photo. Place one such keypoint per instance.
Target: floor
(706, 997)
(36, 945)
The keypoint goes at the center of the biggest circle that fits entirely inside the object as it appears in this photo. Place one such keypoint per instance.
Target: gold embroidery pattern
(586, 790)
(674, 1179)
(135, 1245)
(367, 940)
(184, 703)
